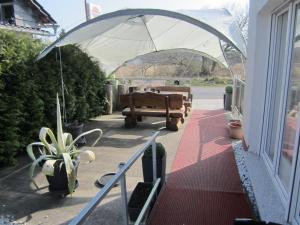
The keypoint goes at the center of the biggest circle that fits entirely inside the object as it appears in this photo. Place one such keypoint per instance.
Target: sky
(69, 13)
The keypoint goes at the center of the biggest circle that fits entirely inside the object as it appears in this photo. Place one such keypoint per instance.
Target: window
(7, 13)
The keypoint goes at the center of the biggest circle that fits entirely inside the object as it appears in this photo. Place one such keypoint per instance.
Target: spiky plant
(62, 148)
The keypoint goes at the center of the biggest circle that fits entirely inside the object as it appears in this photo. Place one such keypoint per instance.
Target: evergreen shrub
(28, 90)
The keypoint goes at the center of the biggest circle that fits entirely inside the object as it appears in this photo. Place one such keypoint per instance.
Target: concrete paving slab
(25, 204)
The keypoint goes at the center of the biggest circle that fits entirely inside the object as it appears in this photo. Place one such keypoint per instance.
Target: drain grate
(102, 181)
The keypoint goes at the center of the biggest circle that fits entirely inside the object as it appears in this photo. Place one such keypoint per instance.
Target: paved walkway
(22, 203)
(204, 187)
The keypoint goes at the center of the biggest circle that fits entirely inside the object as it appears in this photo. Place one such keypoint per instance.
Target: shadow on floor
(108, 213)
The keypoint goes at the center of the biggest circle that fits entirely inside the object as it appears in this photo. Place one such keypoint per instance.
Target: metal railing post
(154, 161)
(121, 176)
(124, 196)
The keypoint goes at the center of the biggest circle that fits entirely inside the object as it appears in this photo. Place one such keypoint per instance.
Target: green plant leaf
(61, 144)
(84, 134)
(44, 132)
(68, 138)
(70, 172)
(29, 149)
(34, 164)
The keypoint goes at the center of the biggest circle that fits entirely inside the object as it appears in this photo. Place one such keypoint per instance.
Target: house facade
(26, 16)
(272, 102)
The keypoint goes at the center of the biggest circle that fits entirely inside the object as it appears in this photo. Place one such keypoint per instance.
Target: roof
(44, 15)
(117, 37)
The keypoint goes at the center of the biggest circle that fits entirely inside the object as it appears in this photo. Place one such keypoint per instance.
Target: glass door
(283, 111)
(289, 167)
(291, 125)
(276, 83)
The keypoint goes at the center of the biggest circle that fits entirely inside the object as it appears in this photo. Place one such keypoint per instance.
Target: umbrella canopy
(120, 36)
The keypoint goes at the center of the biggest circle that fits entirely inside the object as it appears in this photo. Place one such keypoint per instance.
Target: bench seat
(185, 91)
(149, 104)
(174, 113)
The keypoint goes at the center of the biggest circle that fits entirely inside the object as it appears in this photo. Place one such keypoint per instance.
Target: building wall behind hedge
(28, 90)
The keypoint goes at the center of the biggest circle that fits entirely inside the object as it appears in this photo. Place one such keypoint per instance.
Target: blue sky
(69, 13)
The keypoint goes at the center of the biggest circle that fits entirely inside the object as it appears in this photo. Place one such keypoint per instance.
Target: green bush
(84, 84)
(228, 89)
(160, 150)
(28, 90)
(17, 54)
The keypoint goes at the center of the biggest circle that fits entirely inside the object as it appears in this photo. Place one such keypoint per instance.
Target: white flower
(87, 156)
(48, 167)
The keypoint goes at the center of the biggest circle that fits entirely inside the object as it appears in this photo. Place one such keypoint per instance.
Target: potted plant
(160, 162)
(75, 129)
(59, 156)
(76, 120)
(228, 98)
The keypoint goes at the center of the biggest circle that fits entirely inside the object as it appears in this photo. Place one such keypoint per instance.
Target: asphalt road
(208, 92)
(208, 98)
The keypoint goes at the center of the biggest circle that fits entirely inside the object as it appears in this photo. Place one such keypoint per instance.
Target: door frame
(294, 195)
(273, 166)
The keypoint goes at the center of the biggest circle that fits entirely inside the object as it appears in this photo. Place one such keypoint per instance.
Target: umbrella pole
(62, 87)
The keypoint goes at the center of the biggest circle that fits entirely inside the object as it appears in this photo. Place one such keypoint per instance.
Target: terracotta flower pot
(235, 129)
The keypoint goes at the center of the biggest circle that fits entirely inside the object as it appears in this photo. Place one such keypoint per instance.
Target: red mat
(204, 187)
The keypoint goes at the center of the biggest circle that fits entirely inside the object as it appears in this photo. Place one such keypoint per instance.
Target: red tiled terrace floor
(204, 187)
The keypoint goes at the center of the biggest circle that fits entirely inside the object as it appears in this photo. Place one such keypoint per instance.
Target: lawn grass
(211, 81)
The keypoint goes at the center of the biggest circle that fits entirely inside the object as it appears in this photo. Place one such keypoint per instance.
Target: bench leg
(130, 122)
(174, 124)
(182, 120)
(139, 118)
(187, 109)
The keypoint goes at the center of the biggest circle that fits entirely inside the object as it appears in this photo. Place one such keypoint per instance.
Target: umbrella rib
(142, 18)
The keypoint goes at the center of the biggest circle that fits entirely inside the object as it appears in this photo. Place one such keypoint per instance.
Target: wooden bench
(153, 105)
(188, 99)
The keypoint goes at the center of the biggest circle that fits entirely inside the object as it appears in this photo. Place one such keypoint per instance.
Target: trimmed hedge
(229, 89)
(28, 90)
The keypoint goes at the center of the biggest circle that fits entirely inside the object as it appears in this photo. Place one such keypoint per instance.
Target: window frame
(1, 9)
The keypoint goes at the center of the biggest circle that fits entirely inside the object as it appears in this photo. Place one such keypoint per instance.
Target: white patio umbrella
(120, 36)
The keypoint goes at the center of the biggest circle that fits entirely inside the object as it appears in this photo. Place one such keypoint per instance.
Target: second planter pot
(147, 164)
(138, 199)
(76, 129)
(235, 129)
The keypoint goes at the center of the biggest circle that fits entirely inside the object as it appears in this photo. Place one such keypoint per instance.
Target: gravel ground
(8, 220)
(244, 175)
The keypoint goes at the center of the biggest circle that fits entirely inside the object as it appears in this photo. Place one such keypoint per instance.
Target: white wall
(256, 69)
